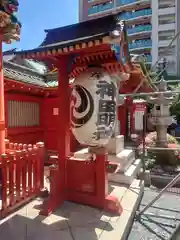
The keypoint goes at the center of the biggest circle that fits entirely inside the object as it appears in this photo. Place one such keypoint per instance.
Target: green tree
(175, 108)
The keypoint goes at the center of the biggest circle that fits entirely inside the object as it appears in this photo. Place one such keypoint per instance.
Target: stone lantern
(160, 117)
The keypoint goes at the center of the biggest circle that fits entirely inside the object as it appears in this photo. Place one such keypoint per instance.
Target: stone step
(82, 154)
(119, 190)
(115, 145)
(129, 197)
(129, 175)
(125, 158)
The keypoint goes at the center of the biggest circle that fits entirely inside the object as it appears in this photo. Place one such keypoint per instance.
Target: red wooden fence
(21, 175)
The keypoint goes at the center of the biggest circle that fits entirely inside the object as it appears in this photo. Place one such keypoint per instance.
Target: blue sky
(37, 15)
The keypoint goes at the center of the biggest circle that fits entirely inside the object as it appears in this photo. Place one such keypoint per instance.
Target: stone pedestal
(162, 140)
(129, 167)
(115, 145)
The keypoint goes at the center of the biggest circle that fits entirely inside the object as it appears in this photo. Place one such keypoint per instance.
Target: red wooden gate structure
(22, 175)
(72, 50)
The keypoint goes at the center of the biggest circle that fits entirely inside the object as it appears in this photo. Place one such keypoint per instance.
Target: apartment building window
(166, 19)
(163, 52)
(166, 35)
(171, 67)
(166, 3)
(101, 7)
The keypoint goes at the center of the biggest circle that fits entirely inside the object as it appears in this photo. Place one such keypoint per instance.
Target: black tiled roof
(80, 30)
(73, 34)
(77, 33)
(22, 74)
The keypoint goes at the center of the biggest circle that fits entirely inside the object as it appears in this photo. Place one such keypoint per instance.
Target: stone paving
(78, 222)
(151, 228)
(70, 222)
(73, 221)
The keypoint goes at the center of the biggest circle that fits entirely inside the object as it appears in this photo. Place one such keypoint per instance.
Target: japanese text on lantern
(107, 109)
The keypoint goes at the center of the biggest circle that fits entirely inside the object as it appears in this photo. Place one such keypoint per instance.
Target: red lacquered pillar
(58, 174)
(63, 125)
(101, 178)
(2, 114)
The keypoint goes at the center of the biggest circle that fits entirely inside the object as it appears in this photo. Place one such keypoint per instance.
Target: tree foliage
(175, 106)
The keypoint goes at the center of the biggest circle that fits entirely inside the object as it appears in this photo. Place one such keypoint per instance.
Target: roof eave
(61, 45)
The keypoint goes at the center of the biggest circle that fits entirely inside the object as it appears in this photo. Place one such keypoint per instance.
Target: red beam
(13, 85)
(46, 56)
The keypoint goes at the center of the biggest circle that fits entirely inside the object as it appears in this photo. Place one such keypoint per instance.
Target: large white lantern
(93, 107)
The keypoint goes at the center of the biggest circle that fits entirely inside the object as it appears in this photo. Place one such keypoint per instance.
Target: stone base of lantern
(128, 166)
(115, 145)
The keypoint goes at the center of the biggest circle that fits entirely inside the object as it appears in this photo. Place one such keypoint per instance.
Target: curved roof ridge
(22, 67)
(79, 30)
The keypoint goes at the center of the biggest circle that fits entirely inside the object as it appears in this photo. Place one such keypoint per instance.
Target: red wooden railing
(21, 175)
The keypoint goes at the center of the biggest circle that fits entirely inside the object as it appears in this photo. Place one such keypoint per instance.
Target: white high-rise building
(152, 24)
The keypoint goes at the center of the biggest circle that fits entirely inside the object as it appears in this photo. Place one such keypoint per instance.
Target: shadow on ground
(157, 228)
(70, 222)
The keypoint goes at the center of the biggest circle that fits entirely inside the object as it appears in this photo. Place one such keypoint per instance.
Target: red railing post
(11, 146)
(4, 160)
(29, 168)
(7, 142)
(11, 179)
(41, 159)
(18, 175)
(35, 161)
(15, 146)
(24, 173)
(25, 146)
(20, 146)
(29, 146)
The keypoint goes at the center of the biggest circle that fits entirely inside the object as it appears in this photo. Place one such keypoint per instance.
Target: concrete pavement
(73, 221)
